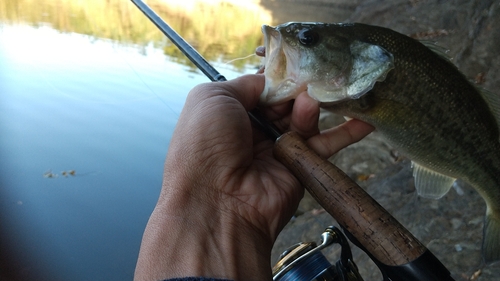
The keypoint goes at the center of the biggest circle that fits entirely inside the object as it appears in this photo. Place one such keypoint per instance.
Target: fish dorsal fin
(493, 101)
(430, 184)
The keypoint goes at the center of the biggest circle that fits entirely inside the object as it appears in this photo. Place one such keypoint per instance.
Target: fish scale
(418, 101)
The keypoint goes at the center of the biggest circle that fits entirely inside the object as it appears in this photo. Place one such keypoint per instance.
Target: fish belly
(455, 144)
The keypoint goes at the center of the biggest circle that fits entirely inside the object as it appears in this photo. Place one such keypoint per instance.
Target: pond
(90, 94)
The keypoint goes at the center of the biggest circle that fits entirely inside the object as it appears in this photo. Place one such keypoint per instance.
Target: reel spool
(305, 262)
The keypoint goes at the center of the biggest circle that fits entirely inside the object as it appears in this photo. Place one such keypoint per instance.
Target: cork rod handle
(380, 233)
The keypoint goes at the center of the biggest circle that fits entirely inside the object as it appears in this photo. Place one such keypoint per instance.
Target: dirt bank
(452, 226)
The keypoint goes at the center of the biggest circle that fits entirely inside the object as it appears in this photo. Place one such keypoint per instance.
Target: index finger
(246, 89)
(330, 141)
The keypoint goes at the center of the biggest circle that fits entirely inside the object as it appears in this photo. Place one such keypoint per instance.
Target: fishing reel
(305, 262)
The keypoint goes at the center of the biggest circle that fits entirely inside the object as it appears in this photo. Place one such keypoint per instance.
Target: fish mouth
(280, 69)
(348, 71)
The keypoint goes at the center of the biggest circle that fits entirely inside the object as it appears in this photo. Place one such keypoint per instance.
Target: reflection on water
(219, 30)
(106, 113)
(91, 91)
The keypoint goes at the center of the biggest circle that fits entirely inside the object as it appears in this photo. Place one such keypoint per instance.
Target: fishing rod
(202, 64)
(399, 255)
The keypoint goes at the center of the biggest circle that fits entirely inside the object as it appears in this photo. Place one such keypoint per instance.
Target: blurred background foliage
(219, 30)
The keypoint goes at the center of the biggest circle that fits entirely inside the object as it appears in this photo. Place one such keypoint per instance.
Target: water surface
(102, 101)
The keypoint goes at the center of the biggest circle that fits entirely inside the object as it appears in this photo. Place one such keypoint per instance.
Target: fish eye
(308, 37)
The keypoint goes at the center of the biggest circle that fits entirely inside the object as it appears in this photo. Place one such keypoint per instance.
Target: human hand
(225, 198)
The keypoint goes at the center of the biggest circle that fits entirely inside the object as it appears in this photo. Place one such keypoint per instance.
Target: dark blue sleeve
(196, 279)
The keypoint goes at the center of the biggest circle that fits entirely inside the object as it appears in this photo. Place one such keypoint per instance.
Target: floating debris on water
(65, 174)
(49, 174)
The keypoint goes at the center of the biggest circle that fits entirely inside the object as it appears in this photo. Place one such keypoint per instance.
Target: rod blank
(184, 46)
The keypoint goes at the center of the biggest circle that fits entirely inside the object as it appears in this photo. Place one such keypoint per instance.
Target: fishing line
(147, 86)
(202, 64)
(237, 59)
(47, 70)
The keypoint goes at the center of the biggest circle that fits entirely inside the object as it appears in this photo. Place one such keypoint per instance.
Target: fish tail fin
(491, 240)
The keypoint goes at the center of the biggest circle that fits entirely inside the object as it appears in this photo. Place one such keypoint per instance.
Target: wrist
(188, 236)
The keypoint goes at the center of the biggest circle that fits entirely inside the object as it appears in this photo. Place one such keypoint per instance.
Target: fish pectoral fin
(430, 184)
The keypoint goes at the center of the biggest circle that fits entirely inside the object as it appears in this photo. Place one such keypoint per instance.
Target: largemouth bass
(414, 97)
